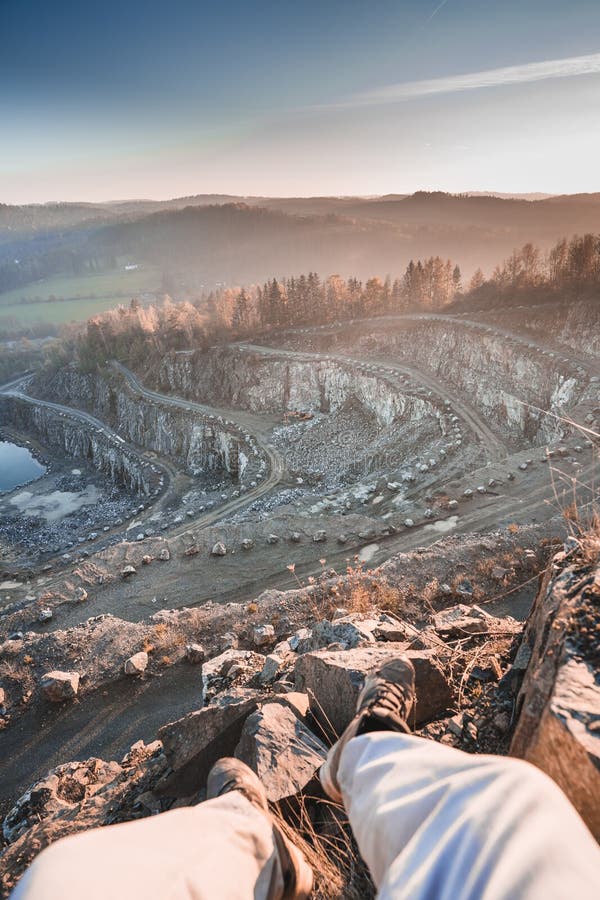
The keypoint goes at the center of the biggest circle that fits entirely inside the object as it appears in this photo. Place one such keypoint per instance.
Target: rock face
(453, 350)
(73, 435)
(199, 440)
(204, 736)
(333, 680)
(58, 686)
(282, 751)
(559, 700)
(252, 381)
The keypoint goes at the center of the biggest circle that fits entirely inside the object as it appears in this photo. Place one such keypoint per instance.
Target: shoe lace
(391, 697)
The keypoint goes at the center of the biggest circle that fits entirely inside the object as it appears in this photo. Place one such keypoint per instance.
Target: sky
(147, 98)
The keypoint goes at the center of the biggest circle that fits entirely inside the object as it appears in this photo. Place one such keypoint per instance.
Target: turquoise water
(17, 466)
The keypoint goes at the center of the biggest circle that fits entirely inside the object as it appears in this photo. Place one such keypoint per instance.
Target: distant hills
(217, 238)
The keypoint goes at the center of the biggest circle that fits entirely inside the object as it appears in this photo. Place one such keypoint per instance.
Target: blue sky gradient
(155, 99)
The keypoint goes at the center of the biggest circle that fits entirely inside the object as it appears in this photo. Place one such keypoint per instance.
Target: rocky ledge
(277, 696)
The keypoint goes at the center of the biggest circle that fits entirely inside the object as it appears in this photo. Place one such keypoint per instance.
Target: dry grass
(339, 871)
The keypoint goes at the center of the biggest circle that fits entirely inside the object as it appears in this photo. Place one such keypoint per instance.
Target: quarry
(217, 533)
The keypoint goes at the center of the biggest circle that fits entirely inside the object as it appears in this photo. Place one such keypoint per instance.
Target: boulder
(204, 736)
(319, 536)
(127, 571)
(195, 654)
(247, 544)
(229, 641)
(263, 635)
(58, 686)
(221, 667)
(219, 549)
(45, 615)
(333, 680)
(164, 554)
(146, 559)
(136, 664)
(272, 539)
(281, 750)
(81, 594)
(271, 668)
(392, 631)
(559, 700)
(297, 640)
(297, 702)
(296, 537)
(462, 620)
(348, 631)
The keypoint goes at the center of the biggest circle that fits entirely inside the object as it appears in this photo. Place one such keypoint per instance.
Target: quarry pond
(18, 466)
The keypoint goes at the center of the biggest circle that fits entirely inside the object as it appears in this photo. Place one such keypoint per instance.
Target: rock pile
(276, 698)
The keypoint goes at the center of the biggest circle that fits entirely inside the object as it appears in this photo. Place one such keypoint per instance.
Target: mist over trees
(570, 269)
(207, 241)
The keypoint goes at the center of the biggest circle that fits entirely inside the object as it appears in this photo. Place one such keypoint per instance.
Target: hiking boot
(230, 774)
(384, 704)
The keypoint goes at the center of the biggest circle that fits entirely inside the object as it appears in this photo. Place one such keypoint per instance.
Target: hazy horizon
(508, 195)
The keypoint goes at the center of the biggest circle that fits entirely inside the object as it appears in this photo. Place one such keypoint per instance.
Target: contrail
(522, 74)
(435, 12)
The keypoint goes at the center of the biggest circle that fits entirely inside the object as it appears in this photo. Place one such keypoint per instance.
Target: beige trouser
(221, 848)
(432, 823)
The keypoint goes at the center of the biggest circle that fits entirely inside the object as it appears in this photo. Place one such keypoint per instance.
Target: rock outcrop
(559, 723)
(283, 752)
(73, 435)
(333, 680)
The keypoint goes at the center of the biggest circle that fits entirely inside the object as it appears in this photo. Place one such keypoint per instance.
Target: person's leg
(228, 847)
(431, 821)
(220, 848)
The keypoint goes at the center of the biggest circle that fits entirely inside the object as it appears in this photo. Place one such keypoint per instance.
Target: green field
(77, 297)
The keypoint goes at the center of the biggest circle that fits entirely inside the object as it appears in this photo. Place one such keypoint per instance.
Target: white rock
(219, 549)
(58, 686)
(137, 663)
(263, 634)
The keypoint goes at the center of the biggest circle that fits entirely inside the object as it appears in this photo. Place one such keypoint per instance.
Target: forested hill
(211, 239)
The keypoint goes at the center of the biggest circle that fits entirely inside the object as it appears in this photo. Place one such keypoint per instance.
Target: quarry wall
(75, 437)
(199, 443)
(248, 380)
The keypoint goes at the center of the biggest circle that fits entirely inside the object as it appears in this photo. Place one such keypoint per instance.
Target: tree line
(138, 333)
(307, 299)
